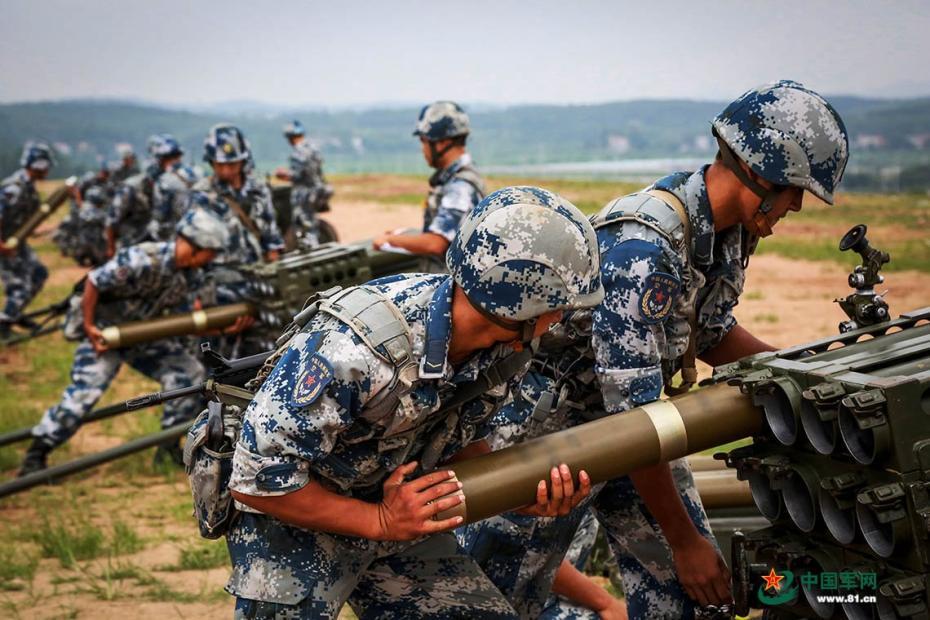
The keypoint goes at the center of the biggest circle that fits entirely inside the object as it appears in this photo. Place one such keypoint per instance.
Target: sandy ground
(785, 302)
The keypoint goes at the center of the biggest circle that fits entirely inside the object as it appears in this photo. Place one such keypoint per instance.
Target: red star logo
(309, 380)
(660, 296)
(773, 581)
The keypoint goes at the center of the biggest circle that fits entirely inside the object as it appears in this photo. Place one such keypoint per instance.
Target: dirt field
(119, 542)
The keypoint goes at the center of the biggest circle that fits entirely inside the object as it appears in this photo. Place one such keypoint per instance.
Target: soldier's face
(789, 199)
(37, 174)
(188, 255)
(427, 154)
(228, 172)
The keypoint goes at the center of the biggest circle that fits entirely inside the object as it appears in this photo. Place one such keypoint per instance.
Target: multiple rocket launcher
(839, 465)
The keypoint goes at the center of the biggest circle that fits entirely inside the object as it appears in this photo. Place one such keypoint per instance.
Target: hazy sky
(364, 52)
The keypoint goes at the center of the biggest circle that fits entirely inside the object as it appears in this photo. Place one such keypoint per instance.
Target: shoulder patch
(656, 301)
(315, 375)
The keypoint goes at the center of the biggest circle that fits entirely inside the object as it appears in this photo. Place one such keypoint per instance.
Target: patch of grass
(767, 318)
(69, 541)
(753, 296)
(200, 555)
(77, 539)
(124, 540)
(158, 591)
(17, 568)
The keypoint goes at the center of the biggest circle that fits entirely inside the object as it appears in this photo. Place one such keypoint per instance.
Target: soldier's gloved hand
(96, 339)
(563, 496)
(702, 572)
(408, 508)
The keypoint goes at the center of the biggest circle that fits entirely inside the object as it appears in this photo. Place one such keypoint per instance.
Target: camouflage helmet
(441, 120)
(293, 129)
(37, 156)
(95, 196)
(523, 252)
(225, 144)
(788, 135)
(164, 145)
(203, 228)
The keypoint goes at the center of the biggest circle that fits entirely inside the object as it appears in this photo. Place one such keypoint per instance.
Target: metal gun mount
(863, 307)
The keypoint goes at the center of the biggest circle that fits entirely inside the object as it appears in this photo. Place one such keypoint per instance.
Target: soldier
(127, 166)
(455, 187)
(243, 202)
(331, 467)
(310, 193)
(77, 234)
(20, 270)
(140, 282)
(672, 263)
(130, 211)
(88, 247)
(172, 188)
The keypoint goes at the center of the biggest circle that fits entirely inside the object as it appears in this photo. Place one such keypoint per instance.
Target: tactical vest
(466, 173)
(664, 213)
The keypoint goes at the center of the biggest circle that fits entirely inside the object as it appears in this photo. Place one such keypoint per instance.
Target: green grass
(75, 538)
(200, 555)
(17, 567)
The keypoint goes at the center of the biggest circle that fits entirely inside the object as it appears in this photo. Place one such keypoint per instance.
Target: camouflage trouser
(303, 217)
(558, 607)
(522, 562)
(650, 582)
(281, 572)
(23, 276)
(521, 555)
(167, 361)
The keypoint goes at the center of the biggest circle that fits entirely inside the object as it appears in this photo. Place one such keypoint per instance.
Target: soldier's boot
(36, 458)
(169, 453)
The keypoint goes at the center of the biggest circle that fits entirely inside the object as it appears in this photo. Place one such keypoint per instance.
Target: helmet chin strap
(760, 220)
(436, 154)
(526, 328)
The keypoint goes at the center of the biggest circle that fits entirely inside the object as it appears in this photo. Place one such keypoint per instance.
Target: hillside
(883, 132)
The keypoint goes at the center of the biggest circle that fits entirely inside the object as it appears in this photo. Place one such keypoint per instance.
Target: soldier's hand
(6, 251)
(282, 173)
(409, 508)
(615, 611)
(378, 241)
(559, 498)
(242, 323)
(702, 572)
(96, 339)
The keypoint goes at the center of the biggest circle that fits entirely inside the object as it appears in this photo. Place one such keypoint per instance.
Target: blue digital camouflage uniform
(21, 273)
(454, 191)
(89, 247)
(130, 211)
(254, 198)
(122, 171)
(223, 284)
(349, 433)
(170, 199)
(309, 191)
(138, 283)
(618, 357)
(80, 233)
